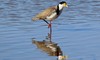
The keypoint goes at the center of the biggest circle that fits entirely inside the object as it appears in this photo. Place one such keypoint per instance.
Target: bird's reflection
(47, 46)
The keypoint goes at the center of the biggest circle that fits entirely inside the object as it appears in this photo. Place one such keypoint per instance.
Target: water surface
(77, 30)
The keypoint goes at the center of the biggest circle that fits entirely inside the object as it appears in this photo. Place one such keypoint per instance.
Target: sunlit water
(77, 30)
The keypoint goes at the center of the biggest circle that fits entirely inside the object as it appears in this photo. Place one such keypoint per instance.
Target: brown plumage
(44, 14)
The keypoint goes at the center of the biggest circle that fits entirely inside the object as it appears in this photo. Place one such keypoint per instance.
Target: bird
(50, 13)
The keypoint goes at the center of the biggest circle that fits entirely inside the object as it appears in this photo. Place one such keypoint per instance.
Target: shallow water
(77, 30)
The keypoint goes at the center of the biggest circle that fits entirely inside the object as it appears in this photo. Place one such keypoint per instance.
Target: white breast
(51, 16)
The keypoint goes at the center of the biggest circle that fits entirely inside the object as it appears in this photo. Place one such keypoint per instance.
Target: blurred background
(76, 31)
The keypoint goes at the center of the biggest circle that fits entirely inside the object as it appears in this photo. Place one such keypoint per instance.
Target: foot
(49, 25)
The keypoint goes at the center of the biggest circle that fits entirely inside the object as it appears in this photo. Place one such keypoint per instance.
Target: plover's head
(63, 3)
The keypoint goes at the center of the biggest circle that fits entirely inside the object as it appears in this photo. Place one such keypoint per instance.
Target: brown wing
(46, 12)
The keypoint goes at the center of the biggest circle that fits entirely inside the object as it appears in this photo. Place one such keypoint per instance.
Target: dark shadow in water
(51, 48)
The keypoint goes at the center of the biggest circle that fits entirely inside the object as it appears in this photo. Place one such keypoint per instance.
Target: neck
(60, 7)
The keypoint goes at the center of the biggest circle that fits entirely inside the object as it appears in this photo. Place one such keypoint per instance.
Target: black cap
(62, 2)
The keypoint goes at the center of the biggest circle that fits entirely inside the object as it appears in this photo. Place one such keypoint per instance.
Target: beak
(65, 5)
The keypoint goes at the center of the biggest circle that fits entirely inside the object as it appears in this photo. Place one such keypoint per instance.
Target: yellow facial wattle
(65, 5)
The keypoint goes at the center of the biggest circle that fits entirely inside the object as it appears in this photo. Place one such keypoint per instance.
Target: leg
(46, 21)
(50, 31)
(49, 24)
